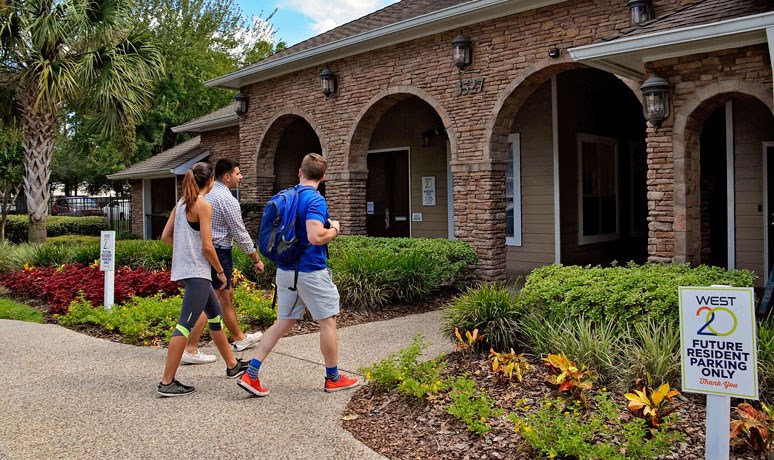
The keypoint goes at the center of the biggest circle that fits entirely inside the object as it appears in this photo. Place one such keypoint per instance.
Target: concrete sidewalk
(67, 395)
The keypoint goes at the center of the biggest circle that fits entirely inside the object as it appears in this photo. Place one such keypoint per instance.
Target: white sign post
(107, 257)
(719, 355)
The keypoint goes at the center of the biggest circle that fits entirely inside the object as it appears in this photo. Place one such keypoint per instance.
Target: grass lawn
(13, 310)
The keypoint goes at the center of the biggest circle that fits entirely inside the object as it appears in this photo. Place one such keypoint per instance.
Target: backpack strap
(299, 188)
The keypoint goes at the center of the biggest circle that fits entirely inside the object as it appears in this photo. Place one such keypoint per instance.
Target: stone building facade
(537, 152)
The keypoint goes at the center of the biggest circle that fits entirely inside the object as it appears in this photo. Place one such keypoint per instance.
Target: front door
(387, 194)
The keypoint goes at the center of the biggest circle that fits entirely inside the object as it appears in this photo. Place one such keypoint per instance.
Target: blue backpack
(278, 239)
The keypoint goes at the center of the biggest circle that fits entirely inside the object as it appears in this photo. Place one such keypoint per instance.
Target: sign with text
(717, 336)
(107, 245)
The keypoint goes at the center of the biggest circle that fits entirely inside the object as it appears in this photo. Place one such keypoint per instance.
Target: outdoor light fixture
(553, 53)
(655, 95)
(641, 11)
(461, 52)
(428, 135)
(240, 104)
(327, 82)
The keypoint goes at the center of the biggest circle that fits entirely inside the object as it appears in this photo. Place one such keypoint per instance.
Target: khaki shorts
(315, 292)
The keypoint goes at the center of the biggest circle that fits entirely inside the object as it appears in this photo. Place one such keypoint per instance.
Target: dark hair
(195, 179)
(313, 166)
(225, 165)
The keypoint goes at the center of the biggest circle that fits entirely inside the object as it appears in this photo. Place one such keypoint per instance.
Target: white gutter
(208, 125)
(770, 39)
(626, 55)
(451, 18)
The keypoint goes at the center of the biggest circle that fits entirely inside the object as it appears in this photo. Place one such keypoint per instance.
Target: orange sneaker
(252, 386)
(344, 383)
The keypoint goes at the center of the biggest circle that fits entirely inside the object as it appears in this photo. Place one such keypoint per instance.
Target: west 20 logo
(712, 315)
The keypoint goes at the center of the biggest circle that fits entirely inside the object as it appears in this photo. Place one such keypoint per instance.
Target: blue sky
(297, 20)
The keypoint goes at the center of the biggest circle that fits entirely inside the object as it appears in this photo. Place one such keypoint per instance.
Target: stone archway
(348, 186)
(686, 129)
(267, 148)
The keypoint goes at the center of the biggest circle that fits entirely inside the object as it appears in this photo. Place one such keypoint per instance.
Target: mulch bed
(399, 427)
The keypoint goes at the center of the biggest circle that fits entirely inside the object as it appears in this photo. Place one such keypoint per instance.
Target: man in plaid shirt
(227, 227)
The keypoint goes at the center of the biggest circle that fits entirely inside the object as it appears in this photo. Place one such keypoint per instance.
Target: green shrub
(451, 260)
(404, 372)
(651, 350)
(598, 345)
(13, 310)
(766, 359)
(245, 265)
(364, 278)
(148, 254)
(17, 226)
(472, 406)
(492, 309)
(13, 256)
(625, 295)
(254, 307)
(140, 320)
(560, 432)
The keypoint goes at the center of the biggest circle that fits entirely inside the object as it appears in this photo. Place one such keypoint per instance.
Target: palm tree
(86, 56)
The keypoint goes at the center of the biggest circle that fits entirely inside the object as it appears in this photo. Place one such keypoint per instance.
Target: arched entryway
(401, 144)
(726, 141)
(288, 138)
(572, 140)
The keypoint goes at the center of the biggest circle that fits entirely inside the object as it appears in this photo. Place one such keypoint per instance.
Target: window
(513, 192)
(597, 189)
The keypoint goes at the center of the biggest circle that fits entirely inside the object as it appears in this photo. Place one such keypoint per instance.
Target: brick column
(479, 214)
(664, 229)
(346, 196)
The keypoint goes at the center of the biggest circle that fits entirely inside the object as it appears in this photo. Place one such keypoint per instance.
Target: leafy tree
(11, 168)
(71, 56)
(199, 40)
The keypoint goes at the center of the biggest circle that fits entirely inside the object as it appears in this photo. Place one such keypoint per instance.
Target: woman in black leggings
(189, 232)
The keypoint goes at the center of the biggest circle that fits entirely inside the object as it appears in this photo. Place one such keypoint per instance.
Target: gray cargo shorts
(315, 292)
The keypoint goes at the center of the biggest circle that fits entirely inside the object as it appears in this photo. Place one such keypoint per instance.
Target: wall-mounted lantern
(641, 11)
(240, 104)
(655, 95)
(461, 52)
(327, 82)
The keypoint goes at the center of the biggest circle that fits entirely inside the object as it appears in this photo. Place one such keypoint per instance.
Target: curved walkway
(66, 395)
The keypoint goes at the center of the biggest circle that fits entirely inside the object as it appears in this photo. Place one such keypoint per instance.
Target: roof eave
(151, 174)
(208, 125)
(429, 24)
(627, 56)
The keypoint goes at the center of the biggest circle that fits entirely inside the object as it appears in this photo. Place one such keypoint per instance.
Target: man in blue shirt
(314, 291)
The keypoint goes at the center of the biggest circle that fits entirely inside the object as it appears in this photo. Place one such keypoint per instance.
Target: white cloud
(326, 15)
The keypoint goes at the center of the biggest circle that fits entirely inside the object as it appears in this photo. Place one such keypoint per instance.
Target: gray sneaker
(248, 342)
(239, 368)
(175, 388)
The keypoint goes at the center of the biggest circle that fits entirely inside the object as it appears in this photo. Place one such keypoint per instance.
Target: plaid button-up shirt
(227, 223)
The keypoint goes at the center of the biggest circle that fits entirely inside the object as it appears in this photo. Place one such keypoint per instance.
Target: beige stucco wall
(753, 125)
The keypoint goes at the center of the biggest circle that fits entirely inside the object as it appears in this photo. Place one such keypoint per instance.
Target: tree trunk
(39, 124)
(9, 198)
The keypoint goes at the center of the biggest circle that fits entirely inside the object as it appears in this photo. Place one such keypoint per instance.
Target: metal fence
(117, 210)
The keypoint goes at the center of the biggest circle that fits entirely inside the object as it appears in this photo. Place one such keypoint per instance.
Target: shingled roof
(164, 163)
(221, 118)
(400, 22)
(701, 27)
(397, 12)
(701, 12)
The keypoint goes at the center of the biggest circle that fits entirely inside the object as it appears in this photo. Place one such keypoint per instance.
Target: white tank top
(188, 261)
